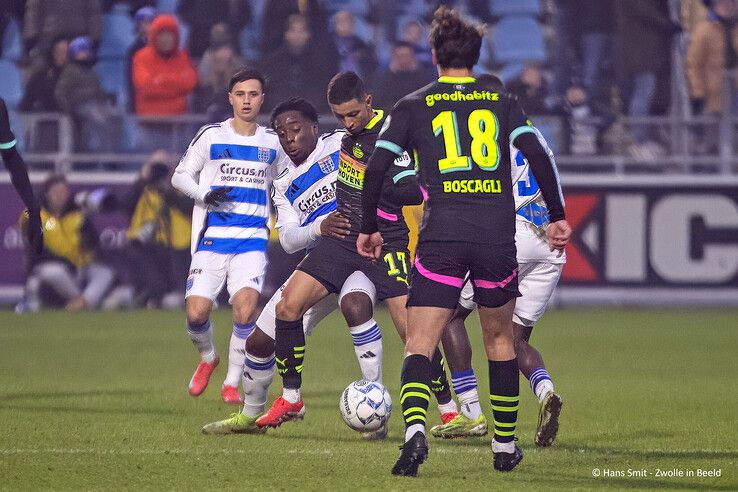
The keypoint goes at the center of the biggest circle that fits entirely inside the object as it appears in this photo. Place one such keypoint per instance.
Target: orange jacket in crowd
(162, 84)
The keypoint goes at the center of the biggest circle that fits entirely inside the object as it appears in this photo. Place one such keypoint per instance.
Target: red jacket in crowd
(162, 80)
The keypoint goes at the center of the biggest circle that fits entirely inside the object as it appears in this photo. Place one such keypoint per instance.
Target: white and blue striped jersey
(304, 195)
(219, 157)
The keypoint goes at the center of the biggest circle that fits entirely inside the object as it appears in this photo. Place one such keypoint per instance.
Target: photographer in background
(158, 235)
(65, 272)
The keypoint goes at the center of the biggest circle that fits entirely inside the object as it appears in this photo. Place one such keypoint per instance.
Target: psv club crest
(263, 154)
(327, 165)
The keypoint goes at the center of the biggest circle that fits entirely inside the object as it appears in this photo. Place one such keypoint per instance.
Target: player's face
(57, 196)
(297, 135)
(246, 99)
(354, 114)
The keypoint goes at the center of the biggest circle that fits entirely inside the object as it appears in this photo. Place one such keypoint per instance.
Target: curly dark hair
(457, 42)
(298, 104)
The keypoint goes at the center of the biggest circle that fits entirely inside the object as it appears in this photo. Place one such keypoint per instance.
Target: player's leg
(356, 300)
(244, 305)
(440, 387)
(206, 278)
(537, 283)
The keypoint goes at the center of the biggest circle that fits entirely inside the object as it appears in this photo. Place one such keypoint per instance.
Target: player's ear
(368, 100)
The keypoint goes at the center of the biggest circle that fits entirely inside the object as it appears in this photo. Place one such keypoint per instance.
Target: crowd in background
(585, 62)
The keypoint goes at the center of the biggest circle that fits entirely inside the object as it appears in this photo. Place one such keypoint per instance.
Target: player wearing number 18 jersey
(461, 132)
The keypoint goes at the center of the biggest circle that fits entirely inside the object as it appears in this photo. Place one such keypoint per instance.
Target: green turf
(99, 401)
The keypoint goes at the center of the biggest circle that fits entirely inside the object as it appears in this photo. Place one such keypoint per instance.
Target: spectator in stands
(414, 33)
(273, 24)
(163, 75)
(299, 67)
(46, 20)
(712, 50)
(39, 92)
(78, 93)
(143, 18)
(202, 15)
(66, 271)
(405, 75)
(532, 90)
(355, 55)
(158, 235)
(644, 34)
(219, 62)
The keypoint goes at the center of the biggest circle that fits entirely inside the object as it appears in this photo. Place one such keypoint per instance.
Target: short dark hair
(298, 104)
(492, 82)
(457, 42)
(344, 87)
(247, 74)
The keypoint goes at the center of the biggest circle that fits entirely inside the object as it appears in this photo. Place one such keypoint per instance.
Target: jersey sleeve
(518, 122)
(395, 133)
(405, 189)
(7, 139)
(292, 235)
(187, 172)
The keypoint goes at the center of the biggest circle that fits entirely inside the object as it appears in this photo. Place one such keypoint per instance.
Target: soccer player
(327, 266)
(19, 177)
(228, 170)
(305, 198)
(461, 132)
(539, 272)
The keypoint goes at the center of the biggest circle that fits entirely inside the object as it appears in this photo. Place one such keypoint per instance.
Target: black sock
(439, 380)
(504, 394)
(415, 390)
(289, 350)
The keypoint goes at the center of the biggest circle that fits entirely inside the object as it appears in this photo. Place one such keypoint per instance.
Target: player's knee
(259, 344)
(357, 308)
(197, 314)
(288, 309)
(242, 314)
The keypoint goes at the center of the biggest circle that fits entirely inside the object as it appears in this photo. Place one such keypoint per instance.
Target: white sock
(448, 407)
(469, 402)
(202, 339)
(292, 395)
(503, 447)
(257, 376)
(237, 352)
(543, 388)
(368, 347)
(465, 387)
(410, 431)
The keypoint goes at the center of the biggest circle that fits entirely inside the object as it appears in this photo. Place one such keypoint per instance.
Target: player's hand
(558, 234)
(217, 196)
(369, 245)
(335, 225)
(34, 232)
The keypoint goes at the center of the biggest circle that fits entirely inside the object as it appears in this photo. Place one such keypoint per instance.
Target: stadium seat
(11, 86)
(504, 8)
(518, 39)
(412, 8)
(248, 43)
(112, 75)
(118, 33)
(511, 71)
(12, 42)
(356, 7)
(167, 6)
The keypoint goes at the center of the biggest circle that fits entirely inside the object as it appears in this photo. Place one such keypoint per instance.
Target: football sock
(415, 393)
(439, 383)
(257, 376)
(202, 339)
(504, 389)
(368, 347)
(292, 395)
(237, 352)
(289, 348)
(540, 383)
(465, 387)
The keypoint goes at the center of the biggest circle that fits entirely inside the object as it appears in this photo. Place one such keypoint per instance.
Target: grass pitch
(99, 401)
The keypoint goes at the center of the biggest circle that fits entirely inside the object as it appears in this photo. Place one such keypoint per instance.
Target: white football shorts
(210, 271)
(356, 282)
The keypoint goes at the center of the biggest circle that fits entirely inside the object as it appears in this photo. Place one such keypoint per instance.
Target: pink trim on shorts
(424, 193)
(386, 215)
(437, 277)
(486, 284)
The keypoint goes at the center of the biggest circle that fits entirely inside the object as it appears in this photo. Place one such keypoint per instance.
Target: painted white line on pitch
(133, 452)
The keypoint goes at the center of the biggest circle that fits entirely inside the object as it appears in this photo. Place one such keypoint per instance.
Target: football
(365, 405)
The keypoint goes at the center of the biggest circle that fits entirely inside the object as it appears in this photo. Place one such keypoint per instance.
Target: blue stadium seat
(167, 6)
(413, 8)
(511, 71)
(11, 86)
(11, 44)
(504, 8)
(356, 7)
(112, 75)
(518, 39)
(248, 43)
(118, 32)
(184, 34)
